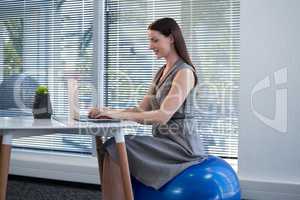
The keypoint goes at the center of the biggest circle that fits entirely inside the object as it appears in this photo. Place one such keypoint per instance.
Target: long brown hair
(168, 26)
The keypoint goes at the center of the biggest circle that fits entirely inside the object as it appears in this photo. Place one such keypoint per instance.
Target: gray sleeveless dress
(175, 146)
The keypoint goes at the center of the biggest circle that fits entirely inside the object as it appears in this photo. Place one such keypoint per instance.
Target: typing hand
(99, 113)
(94, 112)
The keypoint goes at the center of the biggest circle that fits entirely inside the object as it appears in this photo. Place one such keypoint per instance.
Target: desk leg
(99, 144)
(123, 159)
(4, 163)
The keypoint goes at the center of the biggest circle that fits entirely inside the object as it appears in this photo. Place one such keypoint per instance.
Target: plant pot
(42, 108)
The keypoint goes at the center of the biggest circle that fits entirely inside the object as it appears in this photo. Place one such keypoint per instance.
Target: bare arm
(144, 105)
(181, 86)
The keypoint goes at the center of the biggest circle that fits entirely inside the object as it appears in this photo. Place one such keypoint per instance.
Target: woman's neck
(171, 60)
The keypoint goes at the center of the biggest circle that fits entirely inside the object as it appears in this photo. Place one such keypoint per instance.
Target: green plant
(41, 90)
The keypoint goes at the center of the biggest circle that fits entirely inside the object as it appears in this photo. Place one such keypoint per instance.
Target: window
(51, 41)
(211, 30)
(46, 43)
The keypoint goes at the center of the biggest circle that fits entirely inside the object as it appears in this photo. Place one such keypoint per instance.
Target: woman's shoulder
(183, 65)
(186, 70)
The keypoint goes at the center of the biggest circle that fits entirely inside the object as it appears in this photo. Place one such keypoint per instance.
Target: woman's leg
(112, 188)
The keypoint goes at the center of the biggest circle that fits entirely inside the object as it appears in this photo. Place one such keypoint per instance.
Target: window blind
(211, 30)
(46, 43)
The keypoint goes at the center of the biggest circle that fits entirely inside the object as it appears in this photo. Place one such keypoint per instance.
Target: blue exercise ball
(211, 179)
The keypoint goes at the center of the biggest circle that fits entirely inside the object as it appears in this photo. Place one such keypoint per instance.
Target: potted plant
(42, 108)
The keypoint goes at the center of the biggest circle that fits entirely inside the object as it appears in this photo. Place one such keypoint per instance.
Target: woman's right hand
(93, 112)
(96, 111)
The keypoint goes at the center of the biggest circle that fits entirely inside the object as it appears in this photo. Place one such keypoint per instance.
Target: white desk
(16, 127)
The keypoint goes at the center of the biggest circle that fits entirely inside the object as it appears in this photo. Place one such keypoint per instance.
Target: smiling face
(161, 45)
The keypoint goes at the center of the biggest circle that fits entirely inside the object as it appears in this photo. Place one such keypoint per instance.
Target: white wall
(269, 149)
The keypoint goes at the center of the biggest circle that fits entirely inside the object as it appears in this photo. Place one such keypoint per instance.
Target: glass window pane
(211, 30)
(46, 43)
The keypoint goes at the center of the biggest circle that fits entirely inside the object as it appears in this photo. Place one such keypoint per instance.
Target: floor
(22, 188)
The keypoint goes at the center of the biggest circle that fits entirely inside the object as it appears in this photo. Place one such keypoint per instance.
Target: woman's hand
(99, 113)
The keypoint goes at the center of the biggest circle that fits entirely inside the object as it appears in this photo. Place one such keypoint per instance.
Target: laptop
(85, 118)
(73, 101)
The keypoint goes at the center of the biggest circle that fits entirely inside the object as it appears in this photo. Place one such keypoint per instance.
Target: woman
(168, 106)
